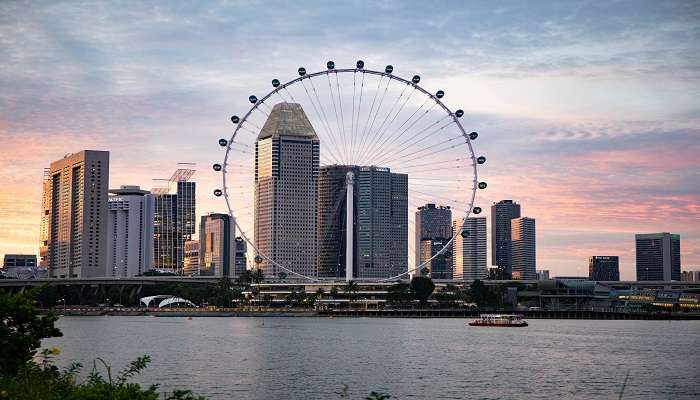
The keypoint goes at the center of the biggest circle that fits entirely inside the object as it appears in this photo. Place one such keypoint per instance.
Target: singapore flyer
(352, 174)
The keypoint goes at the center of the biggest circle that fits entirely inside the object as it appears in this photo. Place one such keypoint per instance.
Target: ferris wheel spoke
(325, 118)
(407, 144)
(398, 154)
(318, 115)
(391, 139)
(370, 136)
(337, 120)
(369, 116)
(380, 130)
(290, 95)
(342, 118)
(357, 121)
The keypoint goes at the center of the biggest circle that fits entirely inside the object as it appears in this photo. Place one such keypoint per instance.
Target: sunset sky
(589, 113)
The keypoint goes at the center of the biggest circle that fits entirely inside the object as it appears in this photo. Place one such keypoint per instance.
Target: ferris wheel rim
(390, 76)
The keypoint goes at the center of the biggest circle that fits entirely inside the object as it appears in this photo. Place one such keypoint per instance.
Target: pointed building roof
(287, 119)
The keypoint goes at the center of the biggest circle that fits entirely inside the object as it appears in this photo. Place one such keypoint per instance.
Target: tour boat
(504, 320)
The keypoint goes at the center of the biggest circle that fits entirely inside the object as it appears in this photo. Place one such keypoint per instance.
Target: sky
(589, 112)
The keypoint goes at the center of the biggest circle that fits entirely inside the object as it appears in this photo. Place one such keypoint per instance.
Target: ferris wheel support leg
(349, 226)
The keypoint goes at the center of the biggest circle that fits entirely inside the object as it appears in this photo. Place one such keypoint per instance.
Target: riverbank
(386, 313)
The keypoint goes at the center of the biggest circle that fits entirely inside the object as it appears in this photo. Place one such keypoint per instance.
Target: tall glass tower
(501, 247)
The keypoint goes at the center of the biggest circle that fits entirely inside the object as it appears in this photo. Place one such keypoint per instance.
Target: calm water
(309, 358)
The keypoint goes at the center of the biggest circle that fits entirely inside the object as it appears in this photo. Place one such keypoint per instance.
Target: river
(313, 358)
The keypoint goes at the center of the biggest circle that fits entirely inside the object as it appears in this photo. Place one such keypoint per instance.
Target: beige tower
(286, 187)
(74, 224)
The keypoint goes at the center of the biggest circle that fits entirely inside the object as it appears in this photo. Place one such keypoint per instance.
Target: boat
(500, 320)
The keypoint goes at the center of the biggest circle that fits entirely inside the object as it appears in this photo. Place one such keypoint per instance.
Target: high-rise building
(19, 260)
(604, 268)
(524, 259)
(382, 223)
(74, 224)
(658, 256)
(191, 261)
(217, 246)
(129, 232)
(286, 190)
(174, 220)
(501, 247)
(543, 275)
(332, 202)
(433, 230)
(690, 276)
(241, 261)
(469, 249)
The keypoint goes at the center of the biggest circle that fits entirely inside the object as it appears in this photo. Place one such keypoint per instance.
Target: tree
(334, 292)
(245, 278)
(422, 288)
(258, 276)
(22, 326)
(351, 289)
(398, 293)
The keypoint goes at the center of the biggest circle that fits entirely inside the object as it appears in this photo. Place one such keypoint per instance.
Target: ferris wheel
(384, 129)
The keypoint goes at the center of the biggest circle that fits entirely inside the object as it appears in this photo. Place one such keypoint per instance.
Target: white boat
(500, 320)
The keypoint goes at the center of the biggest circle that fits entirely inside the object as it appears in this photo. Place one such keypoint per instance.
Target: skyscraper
(129, 232)
(74, 223)
(332, 204)
(217, 242)
(286, 189)
(658, 256)
(433, 231)
(382, 222)
(604, 268)
(501, 247)
(174, 220)
(191, 260)
(469, 249)
(240, 261)
(524, 259)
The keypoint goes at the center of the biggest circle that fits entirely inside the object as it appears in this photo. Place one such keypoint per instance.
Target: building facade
(217, 246)
(286, 189)
(19, 260)
(501, 246)
(469, 249)
(658, 256)
(434, 227)
(174, 220)
(690, 276)
(241, 261)
(604, 268)
(129, 232)
(524, 258)
(543, 275)
(382, 223)
(74, 220)
(191, 262)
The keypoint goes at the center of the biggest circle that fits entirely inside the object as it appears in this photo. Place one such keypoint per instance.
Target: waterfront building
(191, 261)
(543, 275)
(690, 276)
(19, 260)
(604, 268)
(658, 256)
(241, 261)
(433, 231)
(174, 220)
(469, 249)
(129, 232)
(332, 203)
(524, 255)
(286, 190)
(74, 220)
(382, 222)
(501, 246)
(217, 245)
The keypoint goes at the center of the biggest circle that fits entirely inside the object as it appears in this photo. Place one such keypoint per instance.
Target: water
(312, 358)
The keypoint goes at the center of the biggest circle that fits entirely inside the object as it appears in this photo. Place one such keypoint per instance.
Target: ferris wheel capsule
(415, 79)
(459, 113)
(360, 64)
(301, 71)
(235, 119)
(389, 69)
(330, 65)
(439, 94)
(275, 82)
(217, 192)
(253, 99)
(476, 210)
(482, 185)
(216, 167)
(258, 259)
(223, 142)
(481, 159)
(473, 135)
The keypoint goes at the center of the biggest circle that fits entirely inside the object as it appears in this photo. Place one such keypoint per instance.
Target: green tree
(258, 275)
(22, 326)
(398, 293)
(351, 289)
(422, 288)
(334, 292)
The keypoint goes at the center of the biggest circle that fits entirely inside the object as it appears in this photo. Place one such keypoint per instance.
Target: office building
(604, 268)
(382, 222)
(658, 256)
(74, 220)
(434, 229)
(469, 249)
(332, 203)
(217, 246)
(174, 220)
(129, 232)
(523, 246)
(191, 261)
(543, 275)
(501, 247)
(241, 261)
(19, 260)
(286, 190)
(690, 276)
